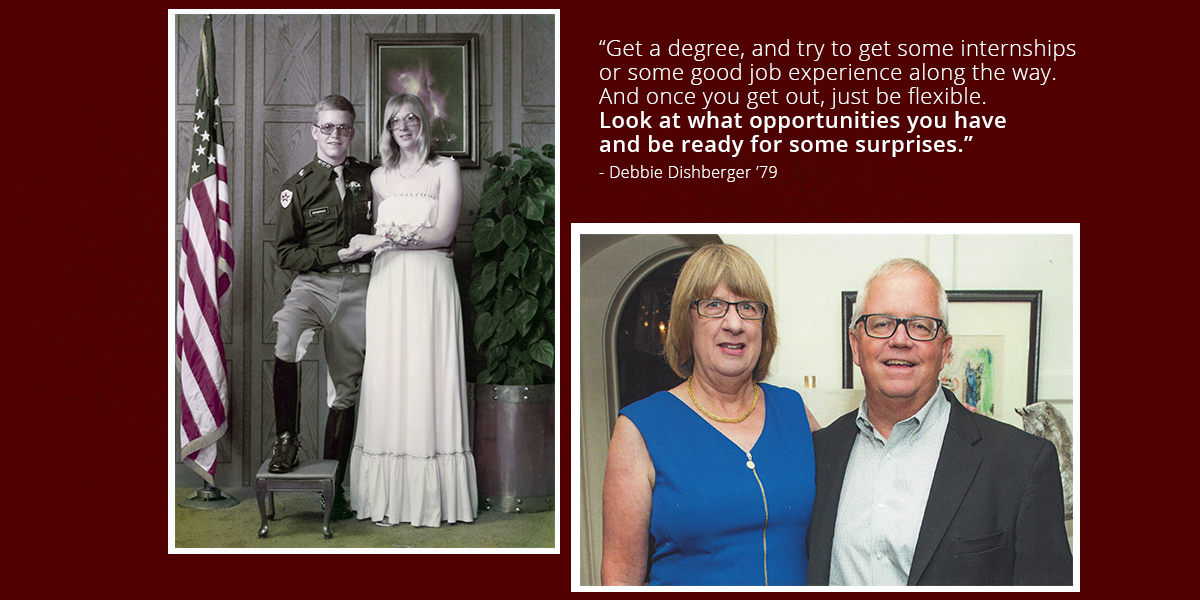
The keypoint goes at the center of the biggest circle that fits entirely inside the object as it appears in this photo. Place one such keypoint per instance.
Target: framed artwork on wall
(994, 356)
(440, 68)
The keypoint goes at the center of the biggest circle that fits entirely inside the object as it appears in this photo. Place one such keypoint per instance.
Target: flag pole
(205, 279)
(208, 497)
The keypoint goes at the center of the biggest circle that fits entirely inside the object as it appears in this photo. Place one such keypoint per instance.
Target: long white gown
(412, 460)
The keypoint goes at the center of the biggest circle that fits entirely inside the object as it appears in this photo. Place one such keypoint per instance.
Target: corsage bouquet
(399, 235)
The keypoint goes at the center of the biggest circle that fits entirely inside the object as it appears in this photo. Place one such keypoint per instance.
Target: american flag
(205, 267)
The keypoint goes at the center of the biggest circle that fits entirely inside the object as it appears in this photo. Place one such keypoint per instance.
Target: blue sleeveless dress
(708, 515)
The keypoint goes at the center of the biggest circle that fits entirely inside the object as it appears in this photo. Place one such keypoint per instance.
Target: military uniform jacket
(315, 222)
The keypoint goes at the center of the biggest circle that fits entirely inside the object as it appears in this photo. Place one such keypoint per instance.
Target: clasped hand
(364, 244)
(360, 245)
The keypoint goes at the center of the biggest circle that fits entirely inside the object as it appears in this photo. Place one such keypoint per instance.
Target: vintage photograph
(359, 362)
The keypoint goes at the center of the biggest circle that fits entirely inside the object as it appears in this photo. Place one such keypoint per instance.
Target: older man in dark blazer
(915, 489)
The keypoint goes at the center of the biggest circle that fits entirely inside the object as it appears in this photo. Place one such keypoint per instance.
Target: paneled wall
(271, 70)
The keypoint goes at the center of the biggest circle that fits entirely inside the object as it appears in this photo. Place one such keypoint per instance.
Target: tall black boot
(285, 453)
(339, 440)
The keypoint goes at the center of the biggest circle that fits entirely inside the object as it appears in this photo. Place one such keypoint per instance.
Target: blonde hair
(389, 150)
(708, 268)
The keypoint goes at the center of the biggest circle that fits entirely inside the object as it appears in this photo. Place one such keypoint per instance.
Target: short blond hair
(334, 102)
(708, 268)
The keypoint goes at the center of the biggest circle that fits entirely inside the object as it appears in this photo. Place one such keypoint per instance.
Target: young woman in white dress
(412, 460)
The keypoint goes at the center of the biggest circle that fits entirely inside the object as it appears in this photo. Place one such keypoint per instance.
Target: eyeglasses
(329, 128)
(921, 329)
(410, 120)
(715, 309)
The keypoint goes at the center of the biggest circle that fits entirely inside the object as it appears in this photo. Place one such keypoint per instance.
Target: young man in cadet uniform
(321, 207)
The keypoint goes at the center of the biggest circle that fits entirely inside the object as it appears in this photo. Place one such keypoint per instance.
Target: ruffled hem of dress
(422, 491)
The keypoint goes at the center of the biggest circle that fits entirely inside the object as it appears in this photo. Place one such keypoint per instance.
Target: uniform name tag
(318, 211)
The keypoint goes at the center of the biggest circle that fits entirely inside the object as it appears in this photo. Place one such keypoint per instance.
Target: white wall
(808, 272)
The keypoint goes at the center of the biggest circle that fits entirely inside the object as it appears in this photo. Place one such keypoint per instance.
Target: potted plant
(512, 290)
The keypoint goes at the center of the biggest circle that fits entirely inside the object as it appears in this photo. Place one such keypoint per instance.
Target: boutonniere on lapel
(353, 187)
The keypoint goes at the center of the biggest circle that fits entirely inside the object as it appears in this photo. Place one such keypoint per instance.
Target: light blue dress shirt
(884, 494)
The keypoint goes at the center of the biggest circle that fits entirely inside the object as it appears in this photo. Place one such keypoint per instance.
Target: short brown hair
(709, 267)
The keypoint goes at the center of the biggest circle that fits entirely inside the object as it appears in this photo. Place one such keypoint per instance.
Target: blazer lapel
(831, 470)
(957, 464)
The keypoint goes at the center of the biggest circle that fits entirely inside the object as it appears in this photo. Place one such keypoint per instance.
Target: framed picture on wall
(994, 356)
(440, 68)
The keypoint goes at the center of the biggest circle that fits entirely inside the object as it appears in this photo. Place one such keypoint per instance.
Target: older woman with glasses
(412, 460)
(712, 480)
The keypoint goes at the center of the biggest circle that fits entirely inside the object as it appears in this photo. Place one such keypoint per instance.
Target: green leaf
(500, 159)
(548, 150)
(515, 259)
(493, 175)
(505, 331)
(537, 332)
(543, 352)
(506, 301)
(484, 376)
(487, 235)
(522, 167)
(533, 206)
(512, 230)
(524, 312)
(490, 199)
(523, 375)
(496, 353)
(532, 279)
(540, 269)
(505, 179)
(485, 326)
(502, 279)
(483, 285)
(545, 241)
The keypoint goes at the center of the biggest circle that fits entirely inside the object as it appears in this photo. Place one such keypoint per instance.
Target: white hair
(903, 265)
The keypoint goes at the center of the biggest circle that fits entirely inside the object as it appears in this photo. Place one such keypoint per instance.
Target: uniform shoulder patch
(285, 198)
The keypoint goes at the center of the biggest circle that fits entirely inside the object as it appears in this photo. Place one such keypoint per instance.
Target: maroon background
(1054, 145)
(1102, 145)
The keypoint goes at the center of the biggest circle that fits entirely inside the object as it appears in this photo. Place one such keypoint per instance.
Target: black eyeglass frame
(766, 308)
(937, 328)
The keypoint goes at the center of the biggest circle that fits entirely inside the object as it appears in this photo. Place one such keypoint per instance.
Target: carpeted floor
(298, 518)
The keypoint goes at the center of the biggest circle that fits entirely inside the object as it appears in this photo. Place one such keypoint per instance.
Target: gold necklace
(722, 419)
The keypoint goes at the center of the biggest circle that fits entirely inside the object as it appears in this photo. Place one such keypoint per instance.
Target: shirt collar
(934, 410)
(329, 166)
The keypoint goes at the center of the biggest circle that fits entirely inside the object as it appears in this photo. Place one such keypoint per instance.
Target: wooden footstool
(309, 475)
